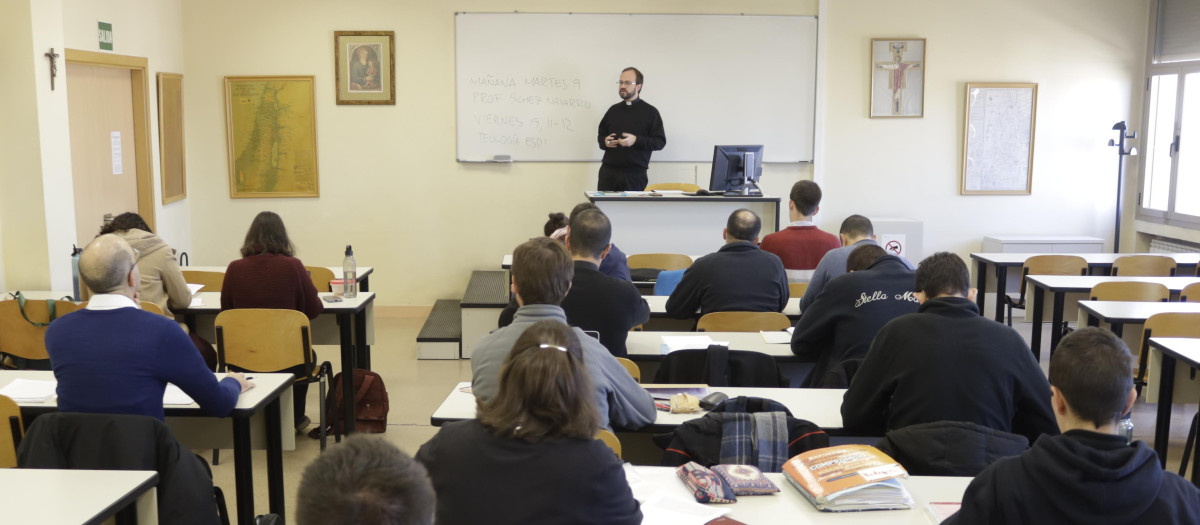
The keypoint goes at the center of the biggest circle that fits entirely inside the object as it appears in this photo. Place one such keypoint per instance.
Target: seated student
(738, 277)
(845, 317)
(162, 280)
(541, 275)
(597, 302)
(801, 245)
(1088, 474)
(557, 221)
(269, 276)
(365, 480)
(115, 358)
(856, 231)
(531, 456)
(947, 363)
(615, 264)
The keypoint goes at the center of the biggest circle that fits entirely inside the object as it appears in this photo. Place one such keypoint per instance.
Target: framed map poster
(271, 132)
(998, 137)
(171, 170)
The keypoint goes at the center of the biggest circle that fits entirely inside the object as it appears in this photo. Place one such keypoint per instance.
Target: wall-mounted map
(998, 138)
(272, 137)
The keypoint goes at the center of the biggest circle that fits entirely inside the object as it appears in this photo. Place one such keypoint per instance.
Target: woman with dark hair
(531, 455)
(162, 281)
(268, 276)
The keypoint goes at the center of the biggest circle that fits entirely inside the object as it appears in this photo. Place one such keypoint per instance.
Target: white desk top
(1093, 259)
(69, 497)
(251, 401)
(211, 303)
(1134, 312)
(1084, 283)
(363, 271)
(650, 343)
(506, 261)
(822, 406)
(658, 306)
(789, 507)
(1185, 349)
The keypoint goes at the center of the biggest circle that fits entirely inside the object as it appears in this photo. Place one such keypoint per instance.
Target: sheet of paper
(668, 192)
(30, 390)
(193, 288)
(117, 163)
(197, 302)
(671, 343)
(174, 396)
(777, 338)
(669, 509)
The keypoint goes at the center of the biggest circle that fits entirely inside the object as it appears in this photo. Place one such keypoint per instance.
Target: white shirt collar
(803, 223)
(110, 301)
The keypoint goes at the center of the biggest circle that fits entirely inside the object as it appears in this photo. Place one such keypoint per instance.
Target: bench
(441, 335)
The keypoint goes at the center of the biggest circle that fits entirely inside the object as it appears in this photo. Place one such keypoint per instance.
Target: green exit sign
(106, 36)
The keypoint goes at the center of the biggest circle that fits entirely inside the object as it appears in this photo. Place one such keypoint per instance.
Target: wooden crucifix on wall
(53, 66)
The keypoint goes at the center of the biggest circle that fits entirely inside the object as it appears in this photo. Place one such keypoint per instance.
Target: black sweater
(947, 363)
(604, 304)
(639, 119)
(738, 277)
(1080, 477)
(841, 322)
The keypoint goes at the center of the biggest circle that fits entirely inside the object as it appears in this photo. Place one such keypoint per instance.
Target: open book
(848, 477)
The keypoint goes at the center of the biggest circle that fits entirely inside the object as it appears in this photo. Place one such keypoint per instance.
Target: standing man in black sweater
(629, 131)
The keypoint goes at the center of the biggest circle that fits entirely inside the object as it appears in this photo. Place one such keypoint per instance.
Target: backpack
(370, 404)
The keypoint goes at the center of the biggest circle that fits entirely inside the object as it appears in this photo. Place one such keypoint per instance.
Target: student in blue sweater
(116, 358)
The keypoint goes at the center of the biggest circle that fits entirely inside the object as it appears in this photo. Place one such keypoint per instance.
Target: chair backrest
(1144, 266)
(717, 366)
(797, 289)
(1190, 293)
(1130, 291)
(743, 322)
(611, 440)
(321, 277)
(152, 308)
(21, 338)
(634, 370)
(262, 340)
(10, 434)
(212, 281)
(677, 186)
(662, 261)
(1052, 265)
(1168, 324)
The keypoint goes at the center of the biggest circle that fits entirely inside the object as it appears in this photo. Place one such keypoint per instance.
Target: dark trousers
(621, 179)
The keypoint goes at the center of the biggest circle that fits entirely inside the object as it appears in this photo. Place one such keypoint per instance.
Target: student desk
(1186, 351)
(1118, 313)
(1003, 261)
(658, 307)
(791, 508)
(270, 393)
(363, 277)
(647, 346)
(70, 497)
(677, 223)
(506, 263)
(1058, 285)
(352, 320)
(822, 406)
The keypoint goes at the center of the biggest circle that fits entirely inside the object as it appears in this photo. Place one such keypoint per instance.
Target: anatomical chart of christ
(897, 78)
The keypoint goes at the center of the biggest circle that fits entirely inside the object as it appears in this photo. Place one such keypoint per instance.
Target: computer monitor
(736, 169)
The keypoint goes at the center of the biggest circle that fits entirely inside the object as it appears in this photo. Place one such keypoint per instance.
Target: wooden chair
(611, 440)
(1164, 325)
(1130, 291)
(676, 186)
(633, 369)
(152, 308)
(321, 277)
(212, 281)
(264, 340)
(1190, 293)
(9, 441)
(797, 289)
(1144, 266)
(1044, 265)
(743, 322)
(26, 339)
(662, 261)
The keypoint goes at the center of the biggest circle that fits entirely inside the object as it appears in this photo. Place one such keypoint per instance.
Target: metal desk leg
(1094, 321)
(980, 284)
(243, 471)
(364, 284)
(1117, 329)
(1056, 321)
(275, 458)
(1035, 338)
(1166, 391)
(348, 366)
(363, 355)
(1001, 291)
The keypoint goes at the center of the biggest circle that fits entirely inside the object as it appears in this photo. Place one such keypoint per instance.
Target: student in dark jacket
(738, 277)
(597, 302)
(947, 363)
(1088, 474)
(269, 276)
(531, 456)
(615, 264)
(842, 321)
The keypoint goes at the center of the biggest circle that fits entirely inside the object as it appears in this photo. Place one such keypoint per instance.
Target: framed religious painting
(271, 132)
(365, 67)
(897, 77)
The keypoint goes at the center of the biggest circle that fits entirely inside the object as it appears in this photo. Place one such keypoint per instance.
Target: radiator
(1164, 245)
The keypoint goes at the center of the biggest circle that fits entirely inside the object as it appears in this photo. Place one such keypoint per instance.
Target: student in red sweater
(268, 276)
(801, 245)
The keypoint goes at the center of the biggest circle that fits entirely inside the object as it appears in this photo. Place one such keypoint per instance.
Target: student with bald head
(738, 277)
(115, 358)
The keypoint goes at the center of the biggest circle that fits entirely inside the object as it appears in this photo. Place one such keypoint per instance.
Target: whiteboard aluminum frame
(967, 123)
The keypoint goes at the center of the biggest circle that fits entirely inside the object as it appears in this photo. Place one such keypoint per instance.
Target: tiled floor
(416, 388)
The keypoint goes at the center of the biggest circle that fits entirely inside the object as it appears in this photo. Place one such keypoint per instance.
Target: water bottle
(1125, 428)
(349, 275)
(75, 251)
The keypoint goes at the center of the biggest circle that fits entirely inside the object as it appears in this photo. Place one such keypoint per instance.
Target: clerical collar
(630, 102)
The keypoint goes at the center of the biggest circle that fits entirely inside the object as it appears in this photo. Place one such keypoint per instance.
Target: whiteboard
(534, 86)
